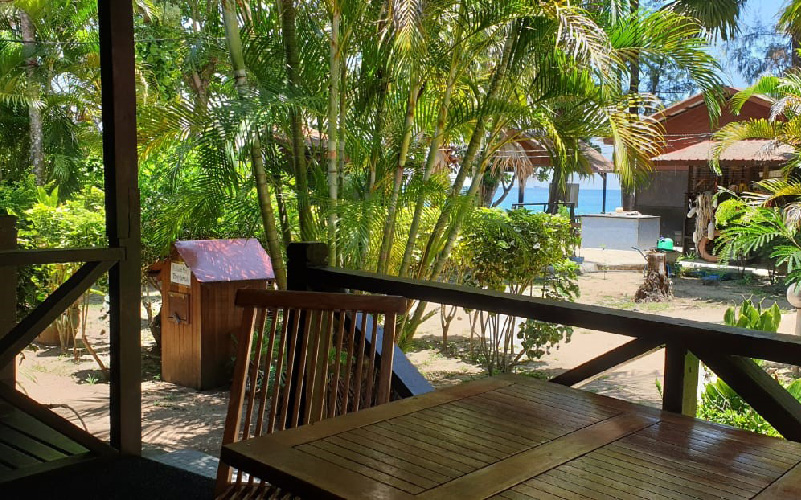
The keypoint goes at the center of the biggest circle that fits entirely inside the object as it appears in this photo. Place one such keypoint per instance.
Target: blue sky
(765, 11)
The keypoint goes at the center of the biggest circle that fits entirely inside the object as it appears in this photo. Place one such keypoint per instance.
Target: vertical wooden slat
(300, 369)
(234, 415)
(268, 363)
(357, 390)
(323, 352)
(387, 355)
(351, 351)
(312, 391)
(332, 399)
(118, 88)
(290, 363)
(368, 402)
(253, 371)
(279, 365)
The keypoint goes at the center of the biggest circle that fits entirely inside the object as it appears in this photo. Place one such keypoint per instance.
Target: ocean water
(589, 200)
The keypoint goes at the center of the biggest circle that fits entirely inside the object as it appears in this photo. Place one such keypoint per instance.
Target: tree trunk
(296, 120)
(389, 226)
(433, 151)
(28, 33)
(267, 215)
(333, 133)
(234, 43)
(472, 150)
(634, 88)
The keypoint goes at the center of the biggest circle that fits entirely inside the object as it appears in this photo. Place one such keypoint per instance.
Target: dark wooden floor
(27, 446)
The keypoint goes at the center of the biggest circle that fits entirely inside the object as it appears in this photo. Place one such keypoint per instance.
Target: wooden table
(515, 437)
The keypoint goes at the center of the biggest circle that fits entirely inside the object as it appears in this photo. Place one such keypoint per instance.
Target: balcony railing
(727, 351)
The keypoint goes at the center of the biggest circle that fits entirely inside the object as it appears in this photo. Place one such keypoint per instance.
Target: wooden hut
(681, 173)
(199, 283)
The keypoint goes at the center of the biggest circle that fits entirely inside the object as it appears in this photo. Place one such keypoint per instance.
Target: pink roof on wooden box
(226, 260)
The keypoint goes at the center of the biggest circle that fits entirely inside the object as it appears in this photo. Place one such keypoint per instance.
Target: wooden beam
(45, 313)
(762, 345)
(118, 85)
(628, 351)
(59, 255)
(760, 390)
(8, 292)
(680, 391)
(54, 421)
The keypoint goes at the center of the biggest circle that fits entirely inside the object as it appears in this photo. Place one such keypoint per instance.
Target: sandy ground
(176, 418)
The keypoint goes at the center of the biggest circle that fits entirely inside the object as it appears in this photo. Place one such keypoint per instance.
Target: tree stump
(657, 286)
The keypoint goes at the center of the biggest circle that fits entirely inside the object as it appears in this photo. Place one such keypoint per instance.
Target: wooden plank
(8, 292)
(763, 345)
(7, 474)
(320, 301)
(47, 417)
(456, 461)
(637, 484)
(647, 483)
(372, 471)
(665, 455)
(751, 449)
(696, 487)
(617, 489)
(325, 428)
(16, 459)
(730, 480)
(59, 255)
(50, 309)
(760, 390)
(523, 466)
(428, 461)
(787, 487)
(25, 424)
(680, 390)
(305, 475)
(121, 172)
(704, 453)
(629, 351)
(23, 442)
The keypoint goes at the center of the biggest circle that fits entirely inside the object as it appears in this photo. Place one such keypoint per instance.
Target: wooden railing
(728, 351)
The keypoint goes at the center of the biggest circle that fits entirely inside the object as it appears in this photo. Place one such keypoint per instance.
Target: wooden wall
(199, 353)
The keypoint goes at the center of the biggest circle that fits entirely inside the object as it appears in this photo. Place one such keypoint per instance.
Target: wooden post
(8, 293)
(680, 391)
(300, 257)
(115, 22)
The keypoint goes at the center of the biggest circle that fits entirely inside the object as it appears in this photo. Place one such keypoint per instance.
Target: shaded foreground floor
(112, 478)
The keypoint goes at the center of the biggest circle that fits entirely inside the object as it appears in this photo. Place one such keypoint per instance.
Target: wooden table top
(515, 437)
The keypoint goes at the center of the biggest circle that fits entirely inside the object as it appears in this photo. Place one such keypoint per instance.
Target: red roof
(741, 153)
(226, 260)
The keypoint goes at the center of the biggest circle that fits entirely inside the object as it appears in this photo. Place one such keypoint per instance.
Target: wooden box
(199, 320)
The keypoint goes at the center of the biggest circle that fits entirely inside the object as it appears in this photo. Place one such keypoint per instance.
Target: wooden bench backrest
(286, 372)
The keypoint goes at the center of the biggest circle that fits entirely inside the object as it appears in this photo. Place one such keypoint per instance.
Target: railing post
(680, 391)
(8, 293)
(300, 257)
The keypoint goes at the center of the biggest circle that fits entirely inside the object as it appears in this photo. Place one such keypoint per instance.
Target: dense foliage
(370, 125)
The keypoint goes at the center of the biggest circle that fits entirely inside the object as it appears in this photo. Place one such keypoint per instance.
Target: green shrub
(719, 403)
(752, 317)
(516, 252)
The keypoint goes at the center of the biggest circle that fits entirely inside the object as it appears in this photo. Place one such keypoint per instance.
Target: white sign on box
(180, 274)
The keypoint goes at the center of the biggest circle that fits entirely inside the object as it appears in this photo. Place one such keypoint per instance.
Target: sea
(590, 201)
